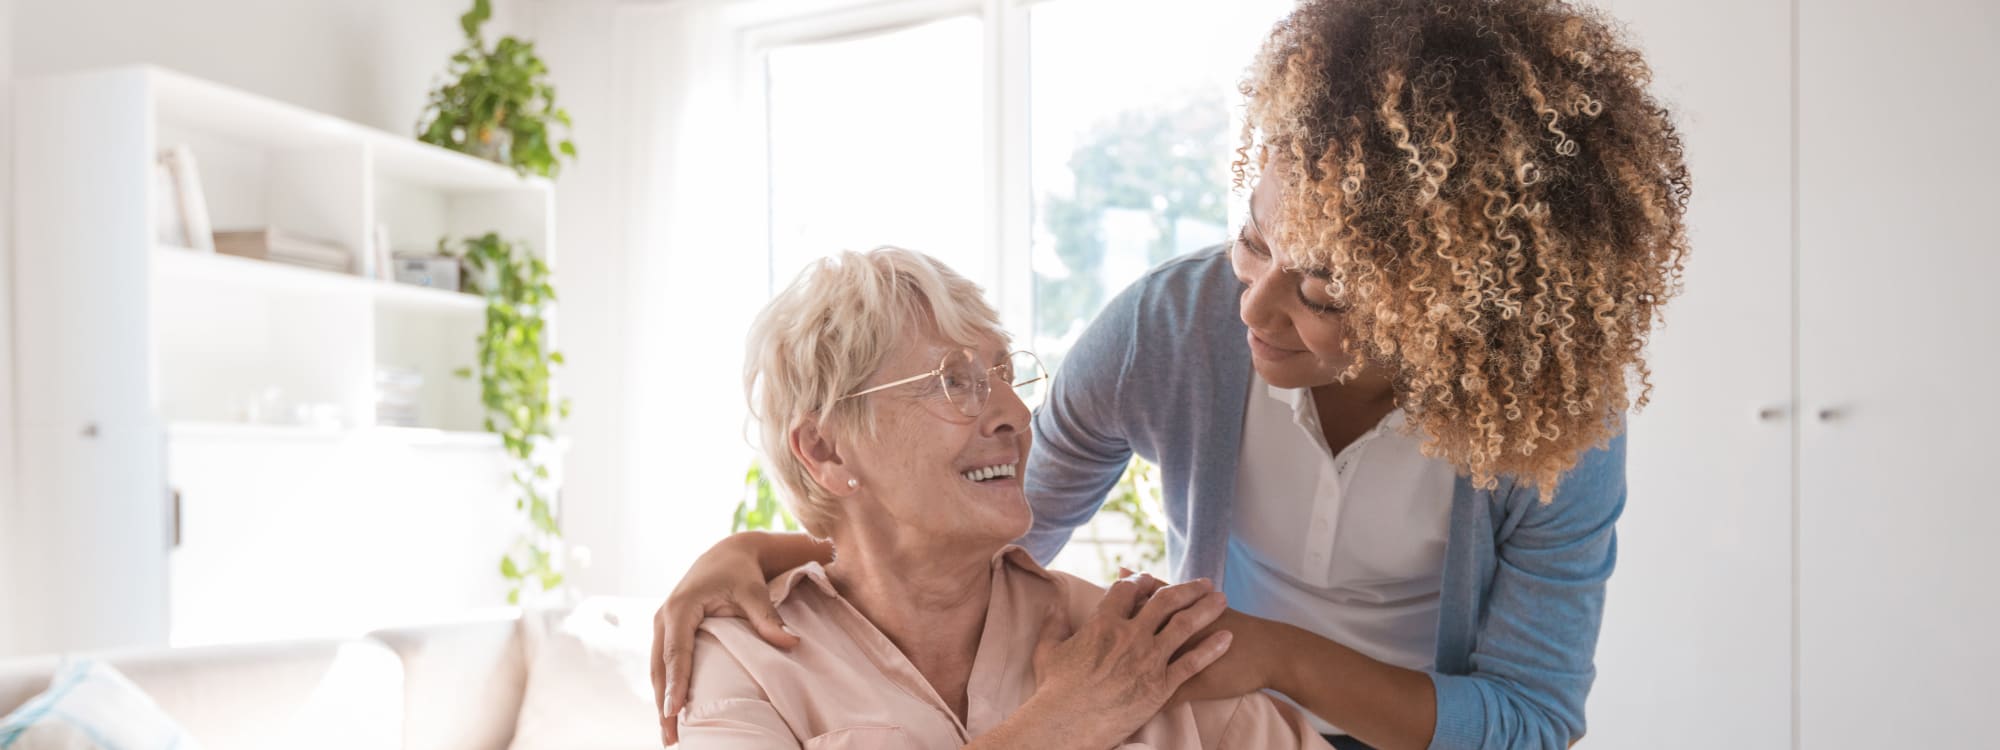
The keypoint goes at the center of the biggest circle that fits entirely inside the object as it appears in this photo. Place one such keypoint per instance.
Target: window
(1092, 138)
(1130, 150)
(869, 149)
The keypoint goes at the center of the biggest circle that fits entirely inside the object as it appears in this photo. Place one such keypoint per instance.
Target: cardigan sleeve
(1080, 447)
(1533, 664)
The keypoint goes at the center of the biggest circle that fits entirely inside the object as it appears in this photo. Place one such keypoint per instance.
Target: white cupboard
(1804, 558)
(202, 456)
(1898, 339)
(1696, 644)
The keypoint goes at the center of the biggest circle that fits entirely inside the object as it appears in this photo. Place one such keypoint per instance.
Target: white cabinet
(1899, 336)
(1696, 644)
(1804, 560)
(245, 389)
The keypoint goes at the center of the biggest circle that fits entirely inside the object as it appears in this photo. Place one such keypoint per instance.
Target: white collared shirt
(1349, 546)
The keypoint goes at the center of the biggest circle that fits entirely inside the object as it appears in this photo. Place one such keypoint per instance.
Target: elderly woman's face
(929, 468)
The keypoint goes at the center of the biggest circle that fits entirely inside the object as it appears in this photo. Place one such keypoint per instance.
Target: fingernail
(789, 631)
(1225, 639)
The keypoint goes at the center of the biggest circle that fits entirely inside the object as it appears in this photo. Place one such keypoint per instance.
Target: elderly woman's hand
(1118, 669)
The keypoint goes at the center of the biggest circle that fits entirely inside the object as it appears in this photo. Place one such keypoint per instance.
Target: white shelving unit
(179, 408)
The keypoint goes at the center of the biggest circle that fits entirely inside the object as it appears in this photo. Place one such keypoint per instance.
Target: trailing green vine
(515, 364)
(499, 104)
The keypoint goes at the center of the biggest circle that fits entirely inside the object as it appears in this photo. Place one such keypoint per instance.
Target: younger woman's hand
(726, 581)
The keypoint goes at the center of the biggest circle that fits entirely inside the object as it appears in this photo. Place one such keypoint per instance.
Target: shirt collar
(1300, 401)
(814, 574)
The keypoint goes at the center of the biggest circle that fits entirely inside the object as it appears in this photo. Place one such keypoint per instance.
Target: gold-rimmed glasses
(968, 386)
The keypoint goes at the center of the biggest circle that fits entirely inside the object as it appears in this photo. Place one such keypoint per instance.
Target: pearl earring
(853, 483)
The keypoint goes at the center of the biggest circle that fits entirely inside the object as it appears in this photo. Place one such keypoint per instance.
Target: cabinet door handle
(1771, 413)
(176, 511)
(1831, 414)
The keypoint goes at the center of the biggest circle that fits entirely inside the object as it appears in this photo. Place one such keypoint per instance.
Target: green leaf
(508, 569)
(471, 21)
(463, 372)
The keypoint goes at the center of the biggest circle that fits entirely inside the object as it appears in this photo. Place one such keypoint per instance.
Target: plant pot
(494, 144)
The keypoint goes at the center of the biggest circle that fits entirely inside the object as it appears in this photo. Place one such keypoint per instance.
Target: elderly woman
(889, 410)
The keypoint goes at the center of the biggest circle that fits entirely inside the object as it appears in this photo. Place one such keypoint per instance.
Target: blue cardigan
(1162, 372)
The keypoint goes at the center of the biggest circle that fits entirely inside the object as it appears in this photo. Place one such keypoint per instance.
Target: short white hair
(827, 333)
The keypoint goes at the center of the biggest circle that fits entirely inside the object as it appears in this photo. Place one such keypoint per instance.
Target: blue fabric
(1162, 372)
(89, 704)
(37, 708)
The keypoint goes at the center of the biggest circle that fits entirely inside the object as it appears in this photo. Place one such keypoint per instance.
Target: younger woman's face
(1295, 328)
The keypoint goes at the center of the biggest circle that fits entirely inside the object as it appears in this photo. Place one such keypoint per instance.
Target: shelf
(182, 263)
(252, 274)
(417, 163)
(239, 432)
(251, 118)
(420, 296)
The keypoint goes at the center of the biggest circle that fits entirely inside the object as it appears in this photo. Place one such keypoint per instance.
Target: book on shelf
(279, 246)
(181, 210)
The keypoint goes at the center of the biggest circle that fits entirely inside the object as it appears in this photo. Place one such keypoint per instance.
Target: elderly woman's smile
(993, 473)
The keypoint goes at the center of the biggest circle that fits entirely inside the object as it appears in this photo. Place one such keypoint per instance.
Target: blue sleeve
(1080, 447)
(1533, 664)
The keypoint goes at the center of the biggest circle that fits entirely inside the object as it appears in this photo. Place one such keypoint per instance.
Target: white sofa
(452, 686)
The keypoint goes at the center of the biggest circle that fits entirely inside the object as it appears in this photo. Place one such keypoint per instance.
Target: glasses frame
(985, 380)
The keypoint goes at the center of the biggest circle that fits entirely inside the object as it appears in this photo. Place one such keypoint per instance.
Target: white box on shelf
(433, 271)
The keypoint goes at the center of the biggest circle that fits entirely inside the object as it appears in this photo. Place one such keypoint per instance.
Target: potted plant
(499, 104)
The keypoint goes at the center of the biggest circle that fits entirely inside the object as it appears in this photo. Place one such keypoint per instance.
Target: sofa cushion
(302, 694)
(590, 684)
(463, 681)
(90, 706)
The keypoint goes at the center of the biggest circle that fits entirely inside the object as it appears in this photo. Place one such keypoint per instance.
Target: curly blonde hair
(1498, 203)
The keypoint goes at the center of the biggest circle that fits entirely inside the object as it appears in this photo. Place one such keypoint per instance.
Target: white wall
(369, 61)
(7, 522)
(655, 293)
(572, 38)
